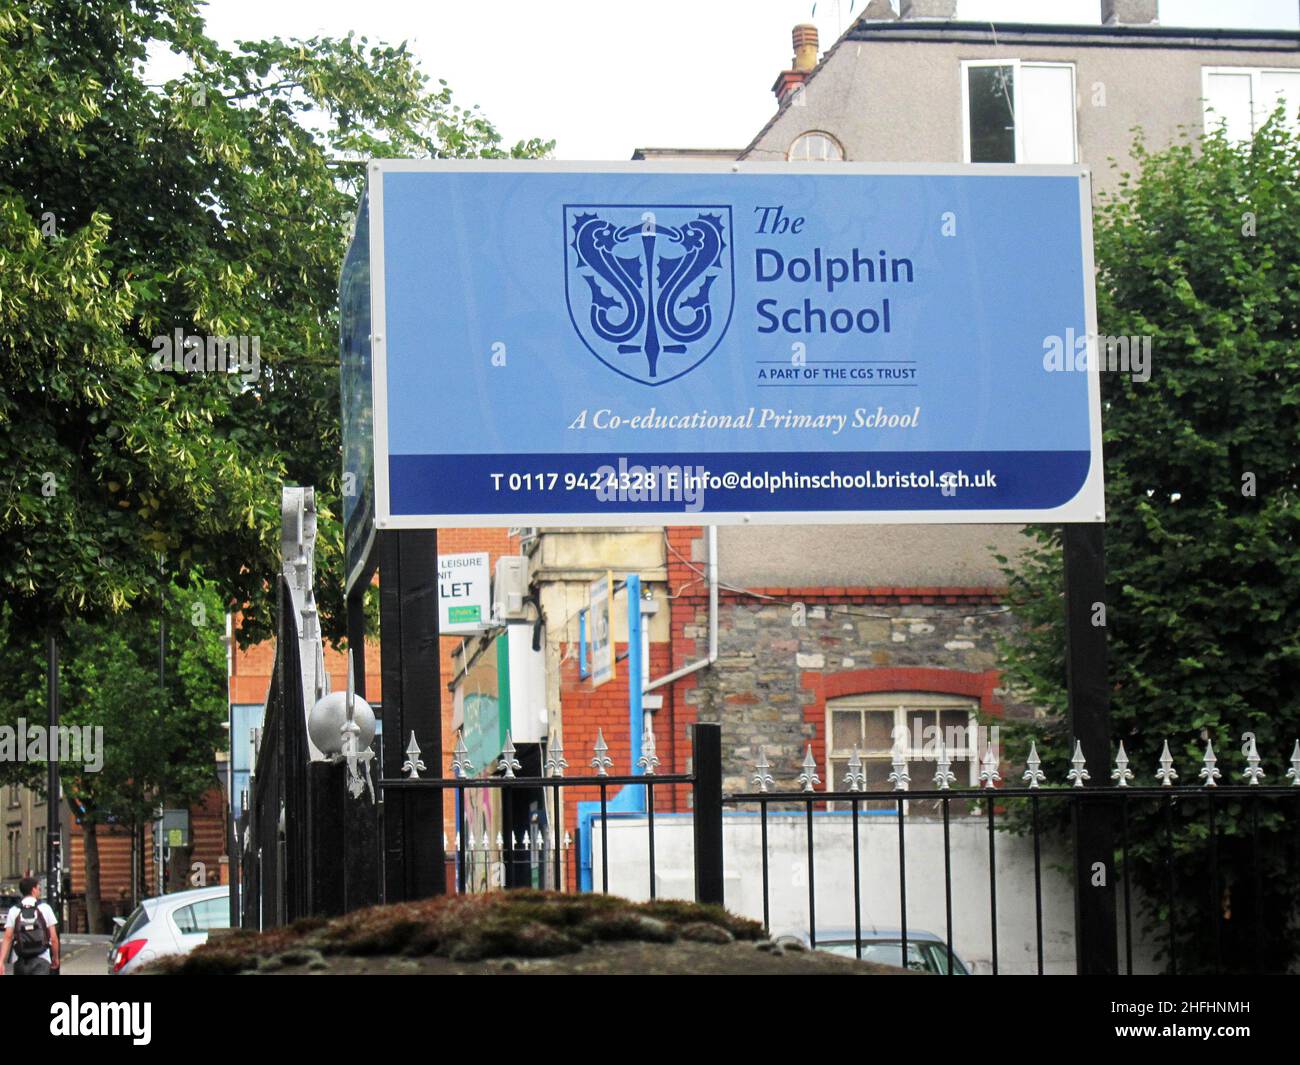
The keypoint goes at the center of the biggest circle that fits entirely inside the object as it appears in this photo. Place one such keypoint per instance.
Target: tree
(1201, 252)
(158, 734)
(134, 216)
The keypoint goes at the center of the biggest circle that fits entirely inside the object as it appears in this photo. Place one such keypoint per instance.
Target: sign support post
(414, 866)
(1089, 719)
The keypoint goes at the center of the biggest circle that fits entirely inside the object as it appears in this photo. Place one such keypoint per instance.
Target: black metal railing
(558, 846)
(1196, 836)
(1114, 804)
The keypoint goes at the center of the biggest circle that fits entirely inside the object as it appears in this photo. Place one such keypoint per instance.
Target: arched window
(815, 147)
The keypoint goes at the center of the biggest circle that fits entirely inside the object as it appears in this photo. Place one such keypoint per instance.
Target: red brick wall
(588, 710)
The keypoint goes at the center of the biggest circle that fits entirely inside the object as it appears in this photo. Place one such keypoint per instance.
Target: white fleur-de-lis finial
(943, 774)
(460, 763)
(1078, 767)
(555, 760)
(649, 759)
(989, 775)
(602, 762)
(412, 766)
(1166, 774)
(508, 762)
(855, 779)
(763, 776)
(1210, 771)
(1033, 771)
(1121, 774)
(1253, 773)
(809, 775)
(1293, 774)
(898, 774)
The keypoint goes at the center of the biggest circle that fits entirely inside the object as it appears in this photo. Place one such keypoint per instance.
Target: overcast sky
(602, 77)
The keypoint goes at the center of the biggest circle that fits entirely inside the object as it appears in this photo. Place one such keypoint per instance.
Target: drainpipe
(692, 667)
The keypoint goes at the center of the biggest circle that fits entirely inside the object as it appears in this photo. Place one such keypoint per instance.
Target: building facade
(826, 638)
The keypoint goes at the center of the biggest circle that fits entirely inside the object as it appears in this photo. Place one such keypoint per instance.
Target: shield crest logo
(650, 287)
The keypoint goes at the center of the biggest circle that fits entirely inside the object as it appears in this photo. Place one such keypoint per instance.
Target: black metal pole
(53, 842)
(414, 862)
(356, 604)
(708, 813)
(1089, 719)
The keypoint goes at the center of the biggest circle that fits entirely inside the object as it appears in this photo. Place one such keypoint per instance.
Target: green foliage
(159, 739)
(1202, 253)
(218, 204)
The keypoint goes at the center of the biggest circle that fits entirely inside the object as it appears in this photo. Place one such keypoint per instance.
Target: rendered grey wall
(901, 101)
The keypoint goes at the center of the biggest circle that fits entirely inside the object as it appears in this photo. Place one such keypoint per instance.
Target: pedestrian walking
(31, 929)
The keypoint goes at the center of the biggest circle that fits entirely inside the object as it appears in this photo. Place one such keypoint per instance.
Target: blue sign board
(579, 344)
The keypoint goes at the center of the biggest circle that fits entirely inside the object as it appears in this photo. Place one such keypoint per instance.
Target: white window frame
(1016, 65)
(1257, 114)
(816, 133)
(900, 703)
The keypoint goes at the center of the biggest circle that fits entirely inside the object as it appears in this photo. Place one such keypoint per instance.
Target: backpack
(31, 933)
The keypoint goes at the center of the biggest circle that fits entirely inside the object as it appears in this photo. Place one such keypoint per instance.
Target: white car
(168, 924)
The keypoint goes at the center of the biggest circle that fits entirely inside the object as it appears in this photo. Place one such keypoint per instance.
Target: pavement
(83, 955)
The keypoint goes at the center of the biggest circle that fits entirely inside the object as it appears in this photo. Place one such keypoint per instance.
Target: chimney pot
(804, 37)
(1130, 12)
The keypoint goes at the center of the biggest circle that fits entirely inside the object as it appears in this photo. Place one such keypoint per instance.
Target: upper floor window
(1018, 112)
(815, 147)
(14, 844)
(1242, 98)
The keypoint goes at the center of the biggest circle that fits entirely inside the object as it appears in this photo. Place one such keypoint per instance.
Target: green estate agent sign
(556, 343)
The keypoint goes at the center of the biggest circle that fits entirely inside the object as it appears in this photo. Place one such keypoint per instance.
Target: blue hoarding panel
(773, 343)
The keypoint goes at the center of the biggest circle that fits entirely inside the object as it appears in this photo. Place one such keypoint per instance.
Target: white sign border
(1087, 505)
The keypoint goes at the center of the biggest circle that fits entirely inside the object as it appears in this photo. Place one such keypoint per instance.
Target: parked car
(926, 952)
(168, 924)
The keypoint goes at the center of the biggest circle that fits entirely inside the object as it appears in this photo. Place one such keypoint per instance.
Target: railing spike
(1253, 773)
(809, 776)
(1293, 774)
(508, 762)
(1166, 774)
(461, 766)
(412, 766)
(602, 762)
(1078, 766)
(943, 774)
(555, 760)
(649, 759)
(763, 776)
(1210, 771)
(1121, 774)
(989, 775)
(855, 779)
(1033, 771)
(899, 775)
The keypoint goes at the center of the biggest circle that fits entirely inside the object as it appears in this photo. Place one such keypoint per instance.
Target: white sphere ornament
(325, 722)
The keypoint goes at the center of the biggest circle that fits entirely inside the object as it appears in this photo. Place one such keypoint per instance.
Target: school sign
(545, 343)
